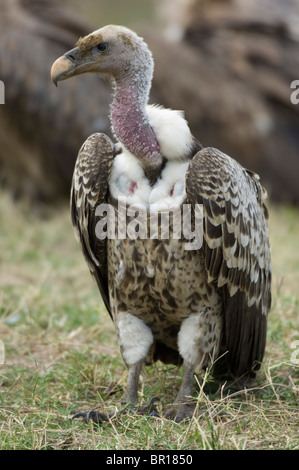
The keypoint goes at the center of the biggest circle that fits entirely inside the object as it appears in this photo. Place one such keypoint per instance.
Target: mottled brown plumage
(236, 252)
(89, 189)
(167, 301)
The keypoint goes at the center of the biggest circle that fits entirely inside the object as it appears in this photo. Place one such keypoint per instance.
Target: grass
(61, 353)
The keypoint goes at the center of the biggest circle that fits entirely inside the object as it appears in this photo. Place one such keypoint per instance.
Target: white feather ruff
(172, 131)
(175, 140)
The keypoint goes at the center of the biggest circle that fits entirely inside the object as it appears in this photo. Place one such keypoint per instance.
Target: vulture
(174, 234)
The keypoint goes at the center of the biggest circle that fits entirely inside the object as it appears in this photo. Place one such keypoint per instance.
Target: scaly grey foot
(180, 412)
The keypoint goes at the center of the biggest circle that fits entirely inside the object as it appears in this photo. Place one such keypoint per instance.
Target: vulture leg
(131, 395)
(198, 342)
(130, 330)
(182, 408)
(135, 341)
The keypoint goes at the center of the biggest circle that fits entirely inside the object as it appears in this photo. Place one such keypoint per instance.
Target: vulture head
(113, 51)
(121, 56)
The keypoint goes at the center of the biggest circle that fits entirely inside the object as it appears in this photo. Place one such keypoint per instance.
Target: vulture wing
(236, 252)
(89, 189)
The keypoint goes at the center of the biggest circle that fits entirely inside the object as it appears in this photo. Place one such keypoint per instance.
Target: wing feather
(236, 252)
(89, 189)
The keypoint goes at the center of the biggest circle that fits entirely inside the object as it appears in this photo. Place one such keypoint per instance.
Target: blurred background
(228, 64)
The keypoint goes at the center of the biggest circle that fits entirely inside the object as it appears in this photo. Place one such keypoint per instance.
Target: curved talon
(149, 408)
(96, 416)
(80, 415)
(221, 416)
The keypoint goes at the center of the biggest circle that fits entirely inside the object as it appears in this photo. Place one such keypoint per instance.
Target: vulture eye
(102, 47)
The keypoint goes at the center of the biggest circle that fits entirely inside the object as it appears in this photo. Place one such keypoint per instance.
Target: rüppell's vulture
(174, 234)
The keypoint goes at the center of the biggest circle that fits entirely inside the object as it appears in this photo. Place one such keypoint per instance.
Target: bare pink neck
(131, 126)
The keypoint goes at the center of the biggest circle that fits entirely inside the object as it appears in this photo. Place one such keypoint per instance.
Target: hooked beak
(70, 64)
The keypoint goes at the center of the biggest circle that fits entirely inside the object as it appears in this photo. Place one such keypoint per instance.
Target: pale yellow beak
(61, 68)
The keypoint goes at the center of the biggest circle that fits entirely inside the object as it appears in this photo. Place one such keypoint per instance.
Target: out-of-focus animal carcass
(246, 55)
(40, 133)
